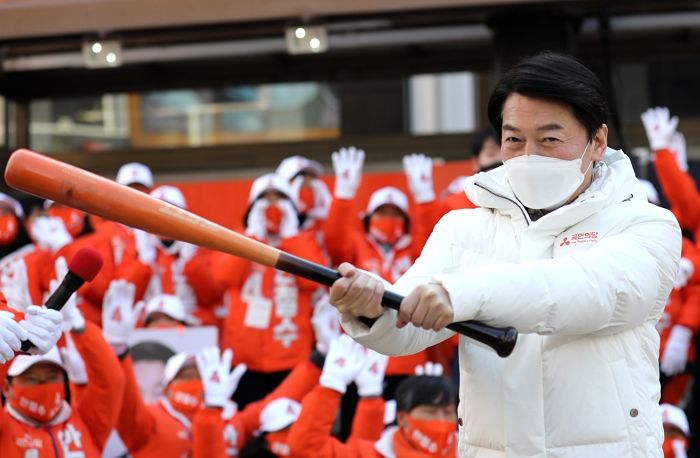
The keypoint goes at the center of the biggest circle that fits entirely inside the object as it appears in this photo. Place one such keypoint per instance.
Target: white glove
(14, 284)
(343, 362)
(11, 336)
(217, 378)
(72, 317)
(326, 324)
(430, 368)
(43, 328)
(347, 164)
(185, 252)
(370, 379)
(145, 246)
(660, 127)
(290, 219)
(680, 151)
(119, 315)
(50, 233)
(73, 362)
(685, 271)
(675, 355)
(419, 174)
(255, 226)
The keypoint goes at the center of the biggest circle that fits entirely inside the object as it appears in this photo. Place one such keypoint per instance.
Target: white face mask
(544, 183)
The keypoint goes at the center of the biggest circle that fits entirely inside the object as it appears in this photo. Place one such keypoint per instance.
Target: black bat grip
(501, 340)
(70, 284)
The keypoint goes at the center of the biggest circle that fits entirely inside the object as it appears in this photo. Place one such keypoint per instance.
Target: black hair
(257, 448)
(480, 137)
(151, 350)
(557, 78)
(421, 390)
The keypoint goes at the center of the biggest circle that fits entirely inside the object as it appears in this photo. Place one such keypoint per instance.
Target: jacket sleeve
(136, 424)
(384, 336)
(295, 386)
(690, 312)
(198, 272)
(368, 423)
(208, 434)
(619, 283)
(304, 245)
(422, 223)
(340, 225)
(679, 188)
(229, 271)
(310, 436)
(102, 398)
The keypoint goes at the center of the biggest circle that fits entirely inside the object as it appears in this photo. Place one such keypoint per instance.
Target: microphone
(84, 266)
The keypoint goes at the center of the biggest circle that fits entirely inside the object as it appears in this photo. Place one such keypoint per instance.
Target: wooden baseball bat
(51, 179)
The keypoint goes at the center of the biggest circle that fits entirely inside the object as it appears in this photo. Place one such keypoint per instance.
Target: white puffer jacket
(584, 285)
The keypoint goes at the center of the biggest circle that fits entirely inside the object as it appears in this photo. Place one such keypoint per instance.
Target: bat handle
(502, 340)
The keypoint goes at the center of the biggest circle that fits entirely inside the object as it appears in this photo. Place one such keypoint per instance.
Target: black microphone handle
(70, 284)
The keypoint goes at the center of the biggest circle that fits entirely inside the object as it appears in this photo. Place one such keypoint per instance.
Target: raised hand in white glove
(43, 328)
(347, 164)
(660, 127)
(685, 271)
(370, 379)
(289, 227)
(50, 233)
(11, 336)
(680, 151)
(430, 368)
(343, 361)
(119, 315)
(326, 324)
(419, 174)
(72, 317)
(73, 362)
(145, 246)
(679, 450)
(15, 284)
(217, 378)
(256, 224)
(675, 355)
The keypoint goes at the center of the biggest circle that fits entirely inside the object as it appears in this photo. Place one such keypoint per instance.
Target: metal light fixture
(102, 53)
(306, 39)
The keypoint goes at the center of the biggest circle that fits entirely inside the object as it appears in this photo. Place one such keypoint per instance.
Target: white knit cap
(279, 414)
(171, 195)
(167, 304)
(675, 416)
(135, 173)
(269, 182)
(23, 362)
(387, 195)
(291, 166)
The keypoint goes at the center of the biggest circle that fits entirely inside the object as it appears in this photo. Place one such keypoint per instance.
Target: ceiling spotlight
(307, 39)
(103, 53)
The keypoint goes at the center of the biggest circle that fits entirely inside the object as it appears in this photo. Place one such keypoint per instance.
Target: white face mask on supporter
(544, 183)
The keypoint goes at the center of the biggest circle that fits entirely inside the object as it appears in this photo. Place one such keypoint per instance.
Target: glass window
(442, 103)
(186, 118)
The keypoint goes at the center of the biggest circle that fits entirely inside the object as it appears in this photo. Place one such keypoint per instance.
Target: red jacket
(269, 318)
(82, 427)
(311, 436)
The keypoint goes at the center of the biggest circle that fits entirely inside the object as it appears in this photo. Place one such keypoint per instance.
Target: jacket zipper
(53, 441)
(527, 219)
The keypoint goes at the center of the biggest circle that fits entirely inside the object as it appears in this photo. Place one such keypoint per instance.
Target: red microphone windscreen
(86, 263)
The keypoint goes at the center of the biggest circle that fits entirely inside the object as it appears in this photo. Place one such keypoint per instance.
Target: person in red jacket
(676, 431)
(269, 319)
(426, 413)
(380, 243)
(39, 421)
(184, 270)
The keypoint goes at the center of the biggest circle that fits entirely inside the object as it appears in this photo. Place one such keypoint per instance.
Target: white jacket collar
(385, 445)
(63, 415)
(613, 181)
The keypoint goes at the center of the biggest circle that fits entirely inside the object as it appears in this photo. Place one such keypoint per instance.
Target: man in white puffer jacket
(566, 249)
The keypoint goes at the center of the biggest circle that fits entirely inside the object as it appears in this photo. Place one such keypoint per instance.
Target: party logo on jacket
(579, 237)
